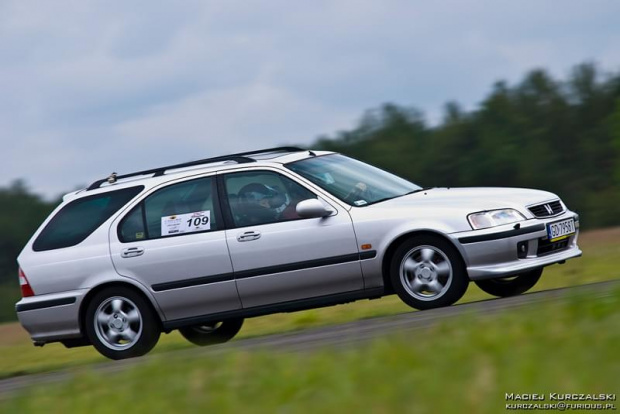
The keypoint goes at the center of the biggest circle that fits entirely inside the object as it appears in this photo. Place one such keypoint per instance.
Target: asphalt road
(336, 335)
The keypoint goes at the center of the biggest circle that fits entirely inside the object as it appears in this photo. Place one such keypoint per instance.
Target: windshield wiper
(400, 195)
(419, 190)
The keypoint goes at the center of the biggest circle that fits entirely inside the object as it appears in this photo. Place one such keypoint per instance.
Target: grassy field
(601, 261)
(466, 364)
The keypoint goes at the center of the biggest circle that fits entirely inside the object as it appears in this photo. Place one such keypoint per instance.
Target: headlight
(494, 218)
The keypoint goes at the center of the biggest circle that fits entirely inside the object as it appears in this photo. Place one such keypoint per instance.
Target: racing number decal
(198, 221)
(186, 223)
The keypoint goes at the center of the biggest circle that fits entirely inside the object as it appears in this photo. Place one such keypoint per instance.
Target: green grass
(465, 364)
(601, 261)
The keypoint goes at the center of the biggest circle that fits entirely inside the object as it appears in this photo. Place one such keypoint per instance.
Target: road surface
(334, 335)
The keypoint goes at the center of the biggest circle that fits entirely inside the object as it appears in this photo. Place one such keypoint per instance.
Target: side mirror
(313, 208)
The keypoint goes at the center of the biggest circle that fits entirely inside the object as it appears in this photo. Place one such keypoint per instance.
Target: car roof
(155, 176)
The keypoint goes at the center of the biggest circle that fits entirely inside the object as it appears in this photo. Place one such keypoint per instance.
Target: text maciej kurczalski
(555, 396)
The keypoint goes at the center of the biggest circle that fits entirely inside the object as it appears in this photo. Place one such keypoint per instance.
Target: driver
(264, 202)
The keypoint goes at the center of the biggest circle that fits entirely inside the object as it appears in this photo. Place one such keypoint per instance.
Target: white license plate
(560, 229)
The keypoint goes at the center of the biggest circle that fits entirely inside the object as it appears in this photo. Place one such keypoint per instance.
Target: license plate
(560, 229)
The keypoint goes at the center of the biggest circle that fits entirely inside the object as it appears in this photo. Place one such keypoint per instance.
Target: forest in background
(557, 135)
(560, 135)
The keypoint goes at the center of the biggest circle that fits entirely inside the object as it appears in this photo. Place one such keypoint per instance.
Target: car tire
(120, 323)
(510, 286)
(428, 272)
(212, 333)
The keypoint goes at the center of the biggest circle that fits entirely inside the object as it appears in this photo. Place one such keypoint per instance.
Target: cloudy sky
(90, 87)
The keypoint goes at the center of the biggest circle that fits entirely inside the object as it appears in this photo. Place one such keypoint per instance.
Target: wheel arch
(111, 284)
(398, 241)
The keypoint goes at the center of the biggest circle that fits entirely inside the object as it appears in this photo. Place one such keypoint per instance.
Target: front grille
(546, 247)
(547, 209)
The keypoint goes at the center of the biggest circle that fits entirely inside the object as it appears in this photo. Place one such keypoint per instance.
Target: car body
(200, 246)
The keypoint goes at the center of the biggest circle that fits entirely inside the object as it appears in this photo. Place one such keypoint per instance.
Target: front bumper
(493, 253)
(53, 317)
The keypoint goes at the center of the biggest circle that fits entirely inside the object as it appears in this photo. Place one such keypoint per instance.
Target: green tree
(558, 135)
(20, 214)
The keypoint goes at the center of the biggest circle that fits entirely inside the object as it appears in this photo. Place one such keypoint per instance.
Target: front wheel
(121, 324)
(212, 333)
(427, 272)
(510, 286)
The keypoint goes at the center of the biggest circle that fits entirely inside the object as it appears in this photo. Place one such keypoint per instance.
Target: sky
(91, 87)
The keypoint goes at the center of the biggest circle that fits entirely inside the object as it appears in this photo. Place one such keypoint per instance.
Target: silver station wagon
(202, 245)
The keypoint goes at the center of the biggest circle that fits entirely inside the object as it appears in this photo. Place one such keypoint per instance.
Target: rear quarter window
(78, 219)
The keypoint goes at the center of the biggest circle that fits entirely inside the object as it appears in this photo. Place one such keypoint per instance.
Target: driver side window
(262, 197)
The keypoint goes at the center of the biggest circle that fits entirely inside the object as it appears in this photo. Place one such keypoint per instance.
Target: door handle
(132, 252)
(248, 236)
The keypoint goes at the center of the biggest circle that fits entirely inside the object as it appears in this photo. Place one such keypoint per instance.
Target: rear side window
(78, 219)
(179, 209)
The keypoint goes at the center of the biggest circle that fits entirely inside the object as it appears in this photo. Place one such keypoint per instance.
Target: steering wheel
(283, 200)
(357, 193)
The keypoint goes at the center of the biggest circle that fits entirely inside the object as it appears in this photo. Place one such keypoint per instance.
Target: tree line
(21, 212)
(561, 135)
(558, 135)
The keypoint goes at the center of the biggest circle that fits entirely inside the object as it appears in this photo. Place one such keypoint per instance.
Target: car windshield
(352, 181)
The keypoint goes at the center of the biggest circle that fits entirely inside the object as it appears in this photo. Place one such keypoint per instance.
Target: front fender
(383, 234)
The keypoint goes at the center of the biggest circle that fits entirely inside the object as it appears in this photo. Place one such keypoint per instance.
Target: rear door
(173, 242)
(278, 256)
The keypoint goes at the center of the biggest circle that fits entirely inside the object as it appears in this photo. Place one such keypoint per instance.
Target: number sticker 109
(198, 221)
(186, 223)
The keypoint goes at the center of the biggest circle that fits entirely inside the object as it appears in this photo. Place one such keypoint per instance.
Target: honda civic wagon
(200, 246)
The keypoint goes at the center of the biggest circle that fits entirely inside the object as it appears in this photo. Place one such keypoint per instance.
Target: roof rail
(275, 149)
(240, 158)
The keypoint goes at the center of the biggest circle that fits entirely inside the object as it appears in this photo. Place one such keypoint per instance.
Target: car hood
(473, 199)
(446, 209)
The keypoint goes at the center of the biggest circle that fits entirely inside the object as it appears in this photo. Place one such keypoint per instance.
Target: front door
(278, 256)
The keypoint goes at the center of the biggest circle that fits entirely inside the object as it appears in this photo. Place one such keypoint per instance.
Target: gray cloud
(91, 87)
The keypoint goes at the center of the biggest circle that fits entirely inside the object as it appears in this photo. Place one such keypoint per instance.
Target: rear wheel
(212, 333)
(427, 272)
(510, 286)
(121, 324)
